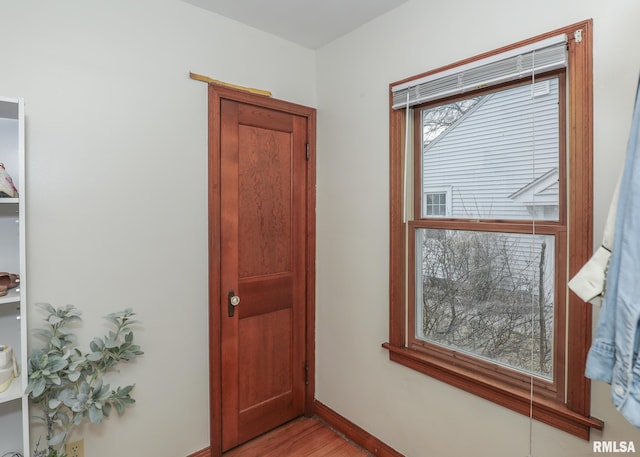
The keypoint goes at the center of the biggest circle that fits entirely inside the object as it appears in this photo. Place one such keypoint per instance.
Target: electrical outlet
(75, 449)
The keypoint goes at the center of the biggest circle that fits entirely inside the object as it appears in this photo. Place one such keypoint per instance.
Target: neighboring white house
(499, 160)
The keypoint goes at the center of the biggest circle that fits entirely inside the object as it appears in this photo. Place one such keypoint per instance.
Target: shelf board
(14, 391)
(7, 200)
(13, 296)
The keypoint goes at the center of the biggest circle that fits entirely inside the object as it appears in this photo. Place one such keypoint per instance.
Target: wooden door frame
(216, 94)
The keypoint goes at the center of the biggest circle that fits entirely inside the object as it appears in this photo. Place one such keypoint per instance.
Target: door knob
(233, 301)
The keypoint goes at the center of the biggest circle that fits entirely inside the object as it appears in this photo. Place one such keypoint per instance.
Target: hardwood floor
(302, 437)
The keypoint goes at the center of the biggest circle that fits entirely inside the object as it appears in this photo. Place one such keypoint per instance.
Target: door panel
(263, 261)
(264, 337)
(265, 201)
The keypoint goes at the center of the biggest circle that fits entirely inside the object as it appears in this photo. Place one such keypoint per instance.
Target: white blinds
(535, 58)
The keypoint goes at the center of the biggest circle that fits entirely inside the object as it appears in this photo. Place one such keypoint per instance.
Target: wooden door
(263, 260)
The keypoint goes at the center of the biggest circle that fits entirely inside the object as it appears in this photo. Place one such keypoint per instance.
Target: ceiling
(310, 23)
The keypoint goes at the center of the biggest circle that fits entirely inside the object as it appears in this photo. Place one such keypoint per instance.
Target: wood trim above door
(217, 94)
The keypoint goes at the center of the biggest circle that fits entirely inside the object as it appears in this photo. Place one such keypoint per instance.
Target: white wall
(117, 183)
(413, 413)
(117, 143)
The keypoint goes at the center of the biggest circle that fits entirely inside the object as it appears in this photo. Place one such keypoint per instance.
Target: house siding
(500, 147)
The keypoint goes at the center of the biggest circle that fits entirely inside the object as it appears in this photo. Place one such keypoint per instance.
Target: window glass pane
(498, 152)
(482, 293)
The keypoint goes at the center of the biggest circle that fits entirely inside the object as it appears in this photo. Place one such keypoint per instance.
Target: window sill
(546, 410)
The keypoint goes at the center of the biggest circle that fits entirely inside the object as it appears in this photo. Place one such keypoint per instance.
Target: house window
(479, 299)
(437, 202)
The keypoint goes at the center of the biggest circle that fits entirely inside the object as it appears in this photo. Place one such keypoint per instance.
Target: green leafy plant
(66, 383)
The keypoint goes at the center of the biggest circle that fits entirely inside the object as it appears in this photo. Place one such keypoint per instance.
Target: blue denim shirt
(613, 357)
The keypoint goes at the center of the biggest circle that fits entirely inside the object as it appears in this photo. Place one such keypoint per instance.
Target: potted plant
(66, 383)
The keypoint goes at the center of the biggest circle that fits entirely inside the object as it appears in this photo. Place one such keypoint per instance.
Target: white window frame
(447, 190)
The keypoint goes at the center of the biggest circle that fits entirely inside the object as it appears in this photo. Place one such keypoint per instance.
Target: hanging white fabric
(514, 64)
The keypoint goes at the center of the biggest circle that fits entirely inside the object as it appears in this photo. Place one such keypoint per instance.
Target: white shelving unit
(14, 405)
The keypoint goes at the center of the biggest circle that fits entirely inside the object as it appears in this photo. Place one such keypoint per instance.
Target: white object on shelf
(7, 375)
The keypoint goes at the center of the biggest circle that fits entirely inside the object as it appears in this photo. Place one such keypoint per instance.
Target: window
(437, 202)
(479, 297)
(476, 291)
